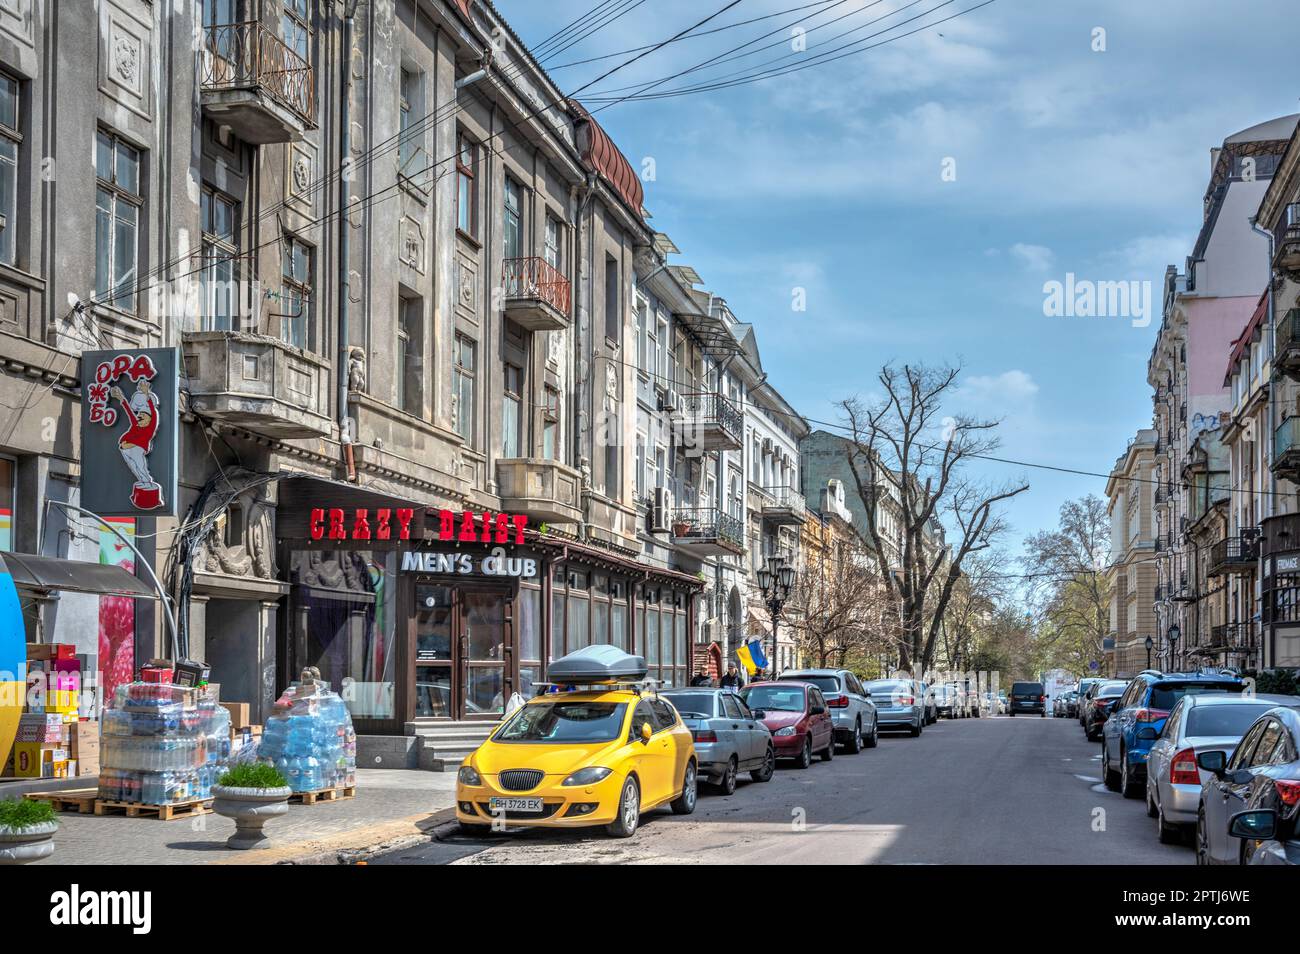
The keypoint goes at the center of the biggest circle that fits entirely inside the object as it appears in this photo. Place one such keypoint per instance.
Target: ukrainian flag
(13, 662)
(746, 659)
(755, 647)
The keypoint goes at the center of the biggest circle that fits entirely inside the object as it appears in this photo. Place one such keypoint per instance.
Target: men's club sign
(128, 431)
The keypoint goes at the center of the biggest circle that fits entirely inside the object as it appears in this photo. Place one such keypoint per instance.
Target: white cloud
(1035, 258)
(983, 393)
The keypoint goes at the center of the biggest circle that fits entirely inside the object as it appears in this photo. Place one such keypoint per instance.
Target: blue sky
(829, 179)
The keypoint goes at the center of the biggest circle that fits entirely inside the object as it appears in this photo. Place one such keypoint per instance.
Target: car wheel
(1012, 713)
(1127, 784)
(769, 768)
(1202, 848)
(874, 738)
(829, 752)
(684, 803)
(915, 730)
(727, 784)
(629, 811)
(805, 755)
(1108, 775)
(855, 743)
(1169, 834)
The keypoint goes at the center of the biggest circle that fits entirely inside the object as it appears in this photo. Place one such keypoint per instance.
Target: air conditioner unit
(661, 514)
(668, 400)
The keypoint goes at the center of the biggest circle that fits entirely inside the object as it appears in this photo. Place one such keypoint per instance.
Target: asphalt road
(973, 791)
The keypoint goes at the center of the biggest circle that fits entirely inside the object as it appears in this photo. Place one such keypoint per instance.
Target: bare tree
(1069, 582)
(976, 599)
(838, 607)
(906, 453)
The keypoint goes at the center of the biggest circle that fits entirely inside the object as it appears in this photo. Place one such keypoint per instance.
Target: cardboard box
(190, 673)
(34, 759)
(238, 714)
(83, 739)
(39, 727)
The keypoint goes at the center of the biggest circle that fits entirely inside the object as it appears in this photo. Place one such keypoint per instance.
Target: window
(10, 141)
(552, 250)
(640, 466)
(117, 219)
(466, 188)
(410, 355)
(513, 220)
(220, 215)
(295, 25)
(661, 353)
(511, 406)
(640, 316)
(463, 388)
(8, 501)
(652, 347)
(410, 108)
(613, 301)
(613, 453)
(296, 282)
(550, 423)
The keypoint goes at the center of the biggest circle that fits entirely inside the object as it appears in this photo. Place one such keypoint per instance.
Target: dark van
(1028, 697)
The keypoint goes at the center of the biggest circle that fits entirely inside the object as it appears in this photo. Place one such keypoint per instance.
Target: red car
(797, 716)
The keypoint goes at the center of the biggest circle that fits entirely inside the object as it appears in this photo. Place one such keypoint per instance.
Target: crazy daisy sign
(128, 432)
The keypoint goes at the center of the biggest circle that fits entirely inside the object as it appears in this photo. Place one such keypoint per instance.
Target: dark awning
(50, 573)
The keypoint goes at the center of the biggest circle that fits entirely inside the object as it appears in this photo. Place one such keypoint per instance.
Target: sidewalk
(392, 807)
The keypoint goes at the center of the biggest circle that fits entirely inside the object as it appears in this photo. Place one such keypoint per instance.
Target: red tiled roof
(1243, 341)
(599, 152)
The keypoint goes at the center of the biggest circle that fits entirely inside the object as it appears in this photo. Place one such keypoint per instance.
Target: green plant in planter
(22, 813)
(253, 775)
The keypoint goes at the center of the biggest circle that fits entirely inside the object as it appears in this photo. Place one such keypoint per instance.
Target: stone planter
(251, 808)
(20, 846)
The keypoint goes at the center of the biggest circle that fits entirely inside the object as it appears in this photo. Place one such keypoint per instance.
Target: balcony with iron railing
(252, 82)
(1286, 344)
(783, 506)
(1286, 240)
(1236, 554)
(537, 295)
(711, 422)
(1286, 450)
(707, 531)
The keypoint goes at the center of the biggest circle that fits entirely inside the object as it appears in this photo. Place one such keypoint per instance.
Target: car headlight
(787, 730)
(588, 776)
(467, 776)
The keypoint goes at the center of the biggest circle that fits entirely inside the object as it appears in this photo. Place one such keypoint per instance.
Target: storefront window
(557, 625)
(652, 640)
(485, 622)
(528, 626)
(579, 635)
(618, 632)
(7, 492)
(344, 624)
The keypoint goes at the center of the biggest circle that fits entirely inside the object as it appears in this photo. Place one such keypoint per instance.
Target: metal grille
(519, 780)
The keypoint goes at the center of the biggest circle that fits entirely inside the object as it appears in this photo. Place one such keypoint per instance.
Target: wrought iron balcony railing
(534, 278)
(247, 55)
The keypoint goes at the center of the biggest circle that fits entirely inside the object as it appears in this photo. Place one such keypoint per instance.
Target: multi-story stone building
(399, 266)
(1206, 309)
(1130, 494)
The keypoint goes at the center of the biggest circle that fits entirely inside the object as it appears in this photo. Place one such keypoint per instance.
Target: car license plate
(516, 804)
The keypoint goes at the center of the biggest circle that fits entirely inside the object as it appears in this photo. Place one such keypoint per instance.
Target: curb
(355, 846)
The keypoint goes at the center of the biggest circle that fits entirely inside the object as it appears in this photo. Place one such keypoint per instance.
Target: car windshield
(565, 720)
(780, 698)
(1166, 694)
(691, 705)
(824, 683)
(1231, 720)
(1027, 689)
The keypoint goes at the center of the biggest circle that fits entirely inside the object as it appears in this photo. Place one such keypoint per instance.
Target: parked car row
(1212, 760)
(599, 748)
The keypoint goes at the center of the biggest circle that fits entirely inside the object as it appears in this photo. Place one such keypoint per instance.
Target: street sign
(129, 440)
(1094, 666)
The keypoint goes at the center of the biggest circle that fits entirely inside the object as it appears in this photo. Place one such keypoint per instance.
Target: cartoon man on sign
(141, 412)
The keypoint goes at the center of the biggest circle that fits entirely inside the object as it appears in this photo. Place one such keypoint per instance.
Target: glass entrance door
(434, 658)
(485, 653)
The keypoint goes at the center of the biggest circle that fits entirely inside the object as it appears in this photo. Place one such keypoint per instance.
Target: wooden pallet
(104, 806)
(79, 800)
(324, 795)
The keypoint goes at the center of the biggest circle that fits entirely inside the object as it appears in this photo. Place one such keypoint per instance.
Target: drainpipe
(346, 437)
(1272, 406)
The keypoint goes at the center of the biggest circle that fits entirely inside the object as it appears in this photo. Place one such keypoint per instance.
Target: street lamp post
(1173, 635)
(1150, 644)
(776, 579)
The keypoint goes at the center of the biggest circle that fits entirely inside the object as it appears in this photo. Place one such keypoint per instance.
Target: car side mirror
(1260, 824)
(866, 693)
(759, 714)
(646, 732)
(1213, 761)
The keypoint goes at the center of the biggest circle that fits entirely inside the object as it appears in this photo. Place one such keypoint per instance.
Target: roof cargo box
(602, 663)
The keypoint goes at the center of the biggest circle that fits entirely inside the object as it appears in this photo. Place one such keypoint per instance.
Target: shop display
(309, 737)
(161, 745)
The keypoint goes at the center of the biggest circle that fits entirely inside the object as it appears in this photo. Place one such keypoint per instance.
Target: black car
(1027, 697)
(1099, 707)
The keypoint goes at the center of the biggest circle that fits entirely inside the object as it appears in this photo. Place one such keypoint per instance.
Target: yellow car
(600, 756)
